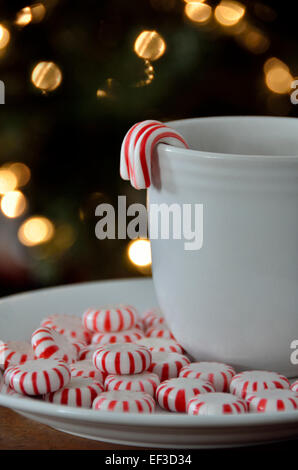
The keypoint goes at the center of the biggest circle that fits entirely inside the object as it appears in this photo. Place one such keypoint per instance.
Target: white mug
(235, 299)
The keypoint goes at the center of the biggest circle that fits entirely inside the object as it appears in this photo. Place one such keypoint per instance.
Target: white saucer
(20, 314)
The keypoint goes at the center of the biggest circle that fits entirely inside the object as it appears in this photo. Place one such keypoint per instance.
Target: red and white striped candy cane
(137, 149)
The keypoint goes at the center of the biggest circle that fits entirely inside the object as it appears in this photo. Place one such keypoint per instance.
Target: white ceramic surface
(235, 299)
(20, 314)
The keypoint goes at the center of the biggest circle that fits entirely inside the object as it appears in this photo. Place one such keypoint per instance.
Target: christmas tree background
(65, 122)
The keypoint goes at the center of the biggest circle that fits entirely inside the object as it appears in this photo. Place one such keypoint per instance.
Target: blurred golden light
(149, 45)
(278, 77)
(101, 93)
(8, 181)
(4, 36)
(139, 252)
(36, 230)
(229, 13)
(255, 41)
(22, 173)
(38, 11)
(24, 17)
(198, 12)
(13, 204)
(46, 76)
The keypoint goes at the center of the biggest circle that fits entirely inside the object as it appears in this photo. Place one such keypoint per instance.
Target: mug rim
(209, 155)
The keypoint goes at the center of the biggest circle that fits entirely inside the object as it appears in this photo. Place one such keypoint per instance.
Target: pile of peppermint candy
(115, 360)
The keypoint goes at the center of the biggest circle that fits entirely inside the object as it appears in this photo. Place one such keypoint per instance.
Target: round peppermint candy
(49, 344)
(252, 381)
(86, 369)
(153, 318)
(167, 364)
(161, 344)
(69, 326)
(216, 404)
(145, 382)
(126, 336)
(125, 402)
(161, 331)
(110, 319)
(218, 374)
(87, 352)
(38, 377)
(174, 394)
(272, 401)
(79, 392)
(126, 358)
(15, 352)
(294, 386)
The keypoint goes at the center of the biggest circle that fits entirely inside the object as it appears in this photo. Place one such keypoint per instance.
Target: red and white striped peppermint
(174, 394)
(126, 358)
(69, 326)
(15, 352)
(272, 401)
(110, 319)
(87, 369)
(137, 150)
(125, 402)
(218, 374)
(38, 377)
(161, 344)
(160, 331)
(87, 352)
(79, 392)
(216, 404)
(49, 344)
(294, 386)
(126, 336)
(167, 365)
(153, 318)
(252, 381)
(145, 382)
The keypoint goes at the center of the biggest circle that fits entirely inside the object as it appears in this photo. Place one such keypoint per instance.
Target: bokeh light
(13, 204)
(22, 173)
(278, 77)
(8, 180)
(101, 93)
(4, 36)
(149, 45)
(24, 17)
(35, 231)
(46, 76)
(254, 40)
(228, 13)
(139, 252)
(198, 12)
(38, 11)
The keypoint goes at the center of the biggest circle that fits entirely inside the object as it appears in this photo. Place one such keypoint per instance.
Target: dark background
(70, 138)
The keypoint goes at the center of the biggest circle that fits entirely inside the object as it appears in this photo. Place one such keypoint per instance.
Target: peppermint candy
(125, 402)
(161, 344)
(87, 369)
(48, 344)
(161, 331)
(79, 392)
(15, 352)
(127, 358)
(87, 352)
(137, 150)
(167, 365)
(272, 401)
(174, 394)
(218, 374)
(294, 386)
(126, 336)
(153, 318)
(69, 326)
(110, 319)
(255, 381)
(216, 404)
(145, 382)
(37, 377)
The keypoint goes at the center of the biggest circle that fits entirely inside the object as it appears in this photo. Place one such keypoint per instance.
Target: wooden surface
(17, 432)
